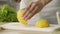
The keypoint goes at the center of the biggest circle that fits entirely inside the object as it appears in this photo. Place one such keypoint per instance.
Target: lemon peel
(20, 18)
(42, 23)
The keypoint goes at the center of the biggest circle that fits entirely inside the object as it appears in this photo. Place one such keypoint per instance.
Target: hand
(33, 8)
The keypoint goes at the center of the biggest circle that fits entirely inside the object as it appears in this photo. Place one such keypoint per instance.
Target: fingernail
(25, 19)
(22, 15)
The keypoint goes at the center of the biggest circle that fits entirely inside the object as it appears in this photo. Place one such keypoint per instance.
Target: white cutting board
(19, 26)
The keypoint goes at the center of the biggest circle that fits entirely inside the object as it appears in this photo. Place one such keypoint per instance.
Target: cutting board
(19, 26)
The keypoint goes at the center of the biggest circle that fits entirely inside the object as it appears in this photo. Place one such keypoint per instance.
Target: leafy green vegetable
(8, 14)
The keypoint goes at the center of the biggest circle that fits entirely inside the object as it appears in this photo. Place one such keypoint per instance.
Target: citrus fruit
(19, 17)
(42, 23)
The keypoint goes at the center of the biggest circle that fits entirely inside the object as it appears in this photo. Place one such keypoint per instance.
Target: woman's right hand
(34, 8)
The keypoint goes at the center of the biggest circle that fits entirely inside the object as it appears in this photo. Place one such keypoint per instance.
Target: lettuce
(8, 14)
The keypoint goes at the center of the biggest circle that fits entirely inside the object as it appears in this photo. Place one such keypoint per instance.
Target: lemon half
(19, 17)
(42, 23)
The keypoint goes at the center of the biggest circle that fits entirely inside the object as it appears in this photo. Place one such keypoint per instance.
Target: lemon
(19, 17)
(42, 23)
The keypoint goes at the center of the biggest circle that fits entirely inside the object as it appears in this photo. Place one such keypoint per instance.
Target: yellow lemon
(42, 23)
(19, 17)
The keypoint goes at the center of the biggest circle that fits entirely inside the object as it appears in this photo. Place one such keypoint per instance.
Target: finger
(27, 8)
(29, 11)
(35, 10)
(32, 14)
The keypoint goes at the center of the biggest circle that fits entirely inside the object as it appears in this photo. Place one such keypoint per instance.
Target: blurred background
(13, 3)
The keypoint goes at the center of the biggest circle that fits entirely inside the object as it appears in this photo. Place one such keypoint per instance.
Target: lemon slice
(19, 17)
(42, 23)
